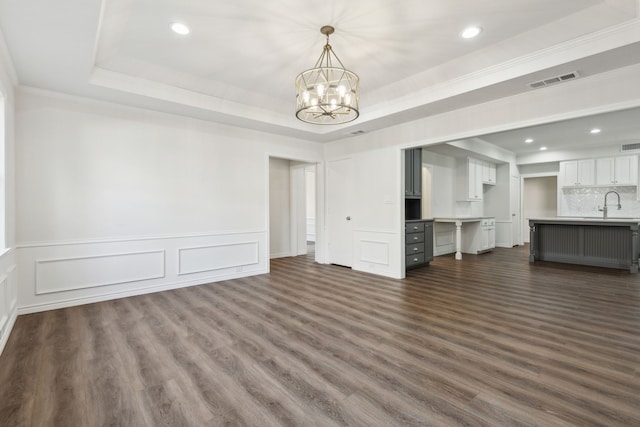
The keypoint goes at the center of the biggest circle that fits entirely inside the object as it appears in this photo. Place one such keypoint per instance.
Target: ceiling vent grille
(630, 147)
(554, 80)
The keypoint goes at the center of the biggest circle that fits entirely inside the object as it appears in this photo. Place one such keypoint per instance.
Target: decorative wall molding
(73, 273)
(67, 274)
(4, 300)
(200, 259)
(373, 251)
(137, 238)
(8, 298)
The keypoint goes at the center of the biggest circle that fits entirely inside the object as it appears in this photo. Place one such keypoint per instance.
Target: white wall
(116, 201)
(540, 198)
(547, 168)
(376, 211)
(8, 271)
(279, 208)
(443, 183)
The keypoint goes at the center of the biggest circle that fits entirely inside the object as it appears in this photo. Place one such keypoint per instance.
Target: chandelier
(327, 94)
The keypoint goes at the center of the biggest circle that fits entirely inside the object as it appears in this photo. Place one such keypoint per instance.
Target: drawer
(417, 248)
(414, 227)
(416, 259)
(414, 238)
(488, 221)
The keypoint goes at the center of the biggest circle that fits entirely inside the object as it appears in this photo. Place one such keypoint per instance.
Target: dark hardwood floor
(489, 340)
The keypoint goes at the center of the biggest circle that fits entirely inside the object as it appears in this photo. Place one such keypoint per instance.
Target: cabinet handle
(415, 260)
(415, 228)
(415, 249)
(415, 237)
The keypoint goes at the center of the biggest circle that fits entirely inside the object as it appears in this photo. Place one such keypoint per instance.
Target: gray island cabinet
(612, 243)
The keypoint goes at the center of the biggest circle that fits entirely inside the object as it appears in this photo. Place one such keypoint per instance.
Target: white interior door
(339, 204)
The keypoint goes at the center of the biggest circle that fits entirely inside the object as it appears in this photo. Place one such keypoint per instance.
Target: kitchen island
(612, 242)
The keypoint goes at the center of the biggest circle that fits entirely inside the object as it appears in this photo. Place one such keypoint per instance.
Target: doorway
(292, 206)
(540, 200)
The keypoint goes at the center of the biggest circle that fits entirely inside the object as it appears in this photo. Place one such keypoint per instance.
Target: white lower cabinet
(479, 237)
(488, 232)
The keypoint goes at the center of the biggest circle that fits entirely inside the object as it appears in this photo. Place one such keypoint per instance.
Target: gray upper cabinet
(413, 173)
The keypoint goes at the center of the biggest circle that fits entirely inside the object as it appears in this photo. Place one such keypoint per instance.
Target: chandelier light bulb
(320, 90)
(180, 28)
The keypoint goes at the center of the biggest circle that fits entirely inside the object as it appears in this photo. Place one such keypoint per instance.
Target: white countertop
(461, 218)
(587, 219)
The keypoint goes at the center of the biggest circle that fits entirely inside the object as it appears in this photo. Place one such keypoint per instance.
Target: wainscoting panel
(8, 296)
(217, 257)
(375, 252)
(61, 274)
(66, 274)
(4, 303)
(378, 252)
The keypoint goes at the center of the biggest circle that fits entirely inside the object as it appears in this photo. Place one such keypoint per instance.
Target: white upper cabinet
(488, 173)
(470, 179)
(576, 173)
(621, 170)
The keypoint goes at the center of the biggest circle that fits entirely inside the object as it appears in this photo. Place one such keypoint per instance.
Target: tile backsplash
(585, 201)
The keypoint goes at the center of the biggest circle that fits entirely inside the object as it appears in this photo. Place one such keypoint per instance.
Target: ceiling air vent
(554, 80)
(630, 147)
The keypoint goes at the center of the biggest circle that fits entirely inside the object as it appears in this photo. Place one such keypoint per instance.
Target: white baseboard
(281, 255)
(35, 308)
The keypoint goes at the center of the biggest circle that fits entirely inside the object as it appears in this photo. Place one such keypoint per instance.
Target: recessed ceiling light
(595, 130)
(528, 140)
(470, 32)
(543, 148)
(180, 28)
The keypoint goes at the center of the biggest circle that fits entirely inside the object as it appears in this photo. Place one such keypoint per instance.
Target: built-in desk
(484, 225)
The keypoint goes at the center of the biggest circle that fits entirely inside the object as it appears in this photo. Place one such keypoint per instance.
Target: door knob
(348, 218)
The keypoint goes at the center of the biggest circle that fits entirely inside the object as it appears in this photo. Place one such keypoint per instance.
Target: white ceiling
(239, 63)
(619, 127)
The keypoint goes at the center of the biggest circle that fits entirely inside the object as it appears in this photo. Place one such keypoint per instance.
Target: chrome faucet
(604, 208)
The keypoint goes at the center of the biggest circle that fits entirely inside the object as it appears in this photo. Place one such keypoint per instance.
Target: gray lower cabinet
(418, 243)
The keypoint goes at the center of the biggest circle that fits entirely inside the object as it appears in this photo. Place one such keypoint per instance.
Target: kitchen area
(461, 199)
(471, 196)
(598, 215)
